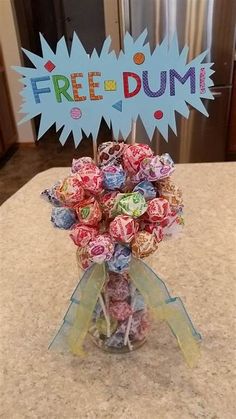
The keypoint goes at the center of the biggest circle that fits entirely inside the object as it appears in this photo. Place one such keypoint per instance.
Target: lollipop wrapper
(50, 195)
(153, 228)
(132, 204)
(155, 168)
(111, 153)
(90, 177)
(82, 256)
(101, 248)
(146, 189)
(144, 244)
(120, 310)
(70, 192)
(118, 290)
(89, 212)
(77, 164)
(82, 234)
(157, 210)
(63, 218)
(171, 192)
(123, 228)
(120, 259)
(113, 177)
(133, 156)
(108, 204)
(140, 324)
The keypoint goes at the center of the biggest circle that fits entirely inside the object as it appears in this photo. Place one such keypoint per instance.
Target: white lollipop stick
(107, 318)
(133, 132)
(126, 338)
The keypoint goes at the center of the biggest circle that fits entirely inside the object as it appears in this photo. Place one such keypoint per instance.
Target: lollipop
(82, 234)
(132, 204)
(91, 178)
(77, 164)
(144, 244)
(158, 209)
(123, 228)
(171, 192)
(140, 324)
(101, 248)
(113, 177)
(133, 155)
(116, 340)
(111, 153)
(83, 258)
(167, 161)
(70, 192)
(147, 189)
(50, 195)
(120, 259)
(118, 290)
(108, 202)
(63, 217)
(120, 310)
(153, 169)
(114, 276)
(89, 212)
(153, 228)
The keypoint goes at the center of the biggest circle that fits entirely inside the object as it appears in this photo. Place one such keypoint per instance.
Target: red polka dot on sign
(75, 113)
(158, 114)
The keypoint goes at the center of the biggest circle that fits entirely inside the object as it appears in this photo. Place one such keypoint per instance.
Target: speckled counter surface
(39, 273)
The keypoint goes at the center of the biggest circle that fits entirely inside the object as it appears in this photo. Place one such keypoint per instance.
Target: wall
(11, 56)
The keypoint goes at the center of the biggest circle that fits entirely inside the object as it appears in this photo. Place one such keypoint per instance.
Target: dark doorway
(54, 19)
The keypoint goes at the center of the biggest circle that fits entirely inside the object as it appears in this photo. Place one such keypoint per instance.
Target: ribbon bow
(78, 318)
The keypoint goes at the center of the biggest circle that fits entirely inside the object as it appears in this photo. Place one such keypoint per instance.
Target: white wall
(11, 56)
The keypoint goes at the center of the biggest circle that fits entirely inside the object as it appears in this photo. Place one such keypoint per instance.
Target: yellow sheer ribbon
(165, 308)
(89, 297)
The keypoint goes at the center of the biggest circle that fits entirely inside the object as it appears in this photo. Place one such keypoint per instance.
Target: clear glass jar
(120, 320)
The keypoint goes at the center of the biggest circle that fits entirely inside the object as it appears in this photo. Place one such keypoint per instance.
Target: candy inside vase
(121, 320)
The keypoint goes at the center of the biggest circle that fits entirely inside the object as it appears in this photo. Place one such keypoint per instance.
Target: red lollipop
(82, 234)
(123, 228)
(157, 210)
(91, 178)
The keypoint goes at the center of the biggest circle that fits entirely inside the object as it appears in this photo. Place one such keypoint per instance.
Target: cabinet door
(8, 134)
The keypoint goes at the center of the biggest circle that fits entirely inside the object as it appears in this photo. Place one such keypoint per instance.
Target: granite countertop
(39, 273)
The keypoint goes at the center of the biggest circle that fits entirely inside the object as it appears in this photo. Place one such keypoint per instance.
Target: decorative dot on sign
(139, 58)
(49, 66)
(158, 114)
(75, 113)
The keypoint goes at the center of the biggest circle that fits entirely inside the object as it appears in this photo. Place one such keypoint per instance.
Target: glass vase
(121, 320)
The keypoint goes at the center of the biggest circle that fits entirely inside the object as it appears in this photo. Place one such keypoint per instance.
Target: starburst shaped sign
(75, 90)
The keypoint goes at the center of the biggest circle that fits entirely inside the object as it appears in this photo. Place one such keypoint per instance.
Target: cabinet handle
(216, 93)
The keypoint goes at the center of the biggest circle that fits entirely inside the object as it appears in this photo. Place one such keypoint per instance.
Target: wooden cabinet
(8, 132)
(231, 149)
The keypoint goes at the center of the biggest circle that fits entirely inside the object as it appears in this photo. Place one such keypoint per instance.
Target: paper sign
(75, 90)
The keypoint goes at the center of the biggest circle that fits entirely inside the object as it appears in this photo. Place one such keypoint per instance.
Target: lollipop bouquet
(118, 212)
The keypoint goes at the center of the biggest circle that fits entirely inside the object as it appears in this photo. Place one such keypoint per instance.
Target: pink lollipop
(101, 248)
(120, 310)
(82, 234)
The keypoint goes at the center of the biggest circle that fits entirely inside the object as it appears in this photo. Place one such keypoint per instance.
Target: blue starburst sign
(76, 91)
